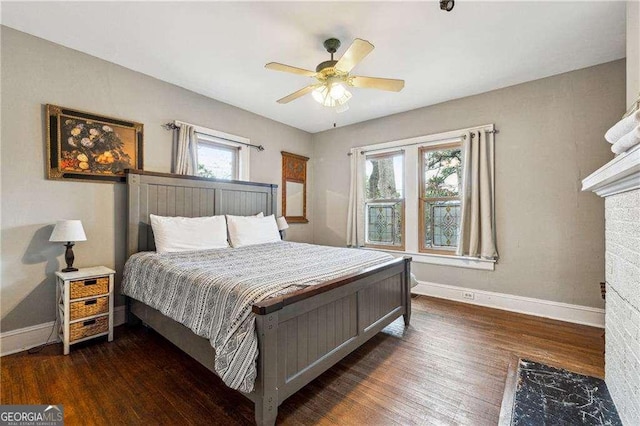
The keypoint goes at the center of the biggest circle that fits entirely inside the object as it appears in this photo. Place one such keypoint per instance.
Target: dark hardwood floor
(448, 367)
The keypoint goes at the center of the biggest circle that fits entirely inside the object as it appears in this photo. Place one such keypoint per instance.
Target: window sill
(444, 260)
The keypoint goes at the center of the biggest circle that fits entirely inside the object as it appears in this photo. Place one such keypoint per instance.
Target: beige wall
(36, 72)
(633, 51)
(550, 234)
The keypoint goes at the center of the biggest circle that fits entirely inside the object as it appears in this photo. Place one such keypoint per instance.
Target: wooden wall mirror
(294, 187)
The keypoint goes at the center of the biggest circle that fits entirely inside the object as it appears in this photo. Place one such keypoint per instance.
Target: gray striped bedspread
(212, 291)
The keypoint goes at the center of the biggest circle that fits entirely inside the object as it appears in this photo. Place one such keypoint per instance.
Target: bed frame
(301, 334)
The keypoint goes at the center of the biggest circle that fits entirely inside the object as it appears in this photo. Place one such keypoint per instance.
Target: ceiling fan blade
(296, 95)
(389, 84)
(288, 68)
(354, 54)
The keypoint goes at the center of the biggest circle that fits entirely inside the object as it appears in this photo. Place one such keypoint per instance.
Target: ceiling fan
(333, 75)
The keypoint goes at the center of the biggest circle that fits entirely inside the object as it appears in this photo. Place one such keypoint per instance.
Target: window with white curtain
(214, 154)
(414, 201)
(218, 158)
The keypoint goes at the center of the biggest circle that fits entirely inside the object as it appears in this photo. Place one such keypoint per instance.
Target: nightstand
(85, 304)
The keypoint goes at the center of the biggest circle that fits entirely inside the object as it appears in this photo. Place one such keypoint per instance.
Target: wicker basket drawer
(89, 287)
(87, 308)
(82, 329)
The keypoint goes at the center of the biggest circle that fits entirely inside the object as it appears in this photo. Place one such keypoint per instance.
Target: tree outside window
(217, 161)
(440, 202)
(384, 206)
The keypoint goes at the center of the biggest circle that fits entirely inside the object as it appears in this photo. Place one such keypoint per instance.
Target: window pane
(217, 161)
(442, 173)
(384, 223)
(384, 176)
(442, 224)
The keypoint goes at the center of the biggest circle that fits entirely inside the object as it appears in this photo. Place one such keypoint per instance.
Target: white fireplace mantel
(619, 175)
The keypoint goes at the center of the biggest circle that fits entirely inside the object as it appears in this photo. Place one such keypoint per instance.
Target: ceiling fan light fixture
(331, 95)
(342, 108)
(318, 94)
(345, 98)
(337, 91)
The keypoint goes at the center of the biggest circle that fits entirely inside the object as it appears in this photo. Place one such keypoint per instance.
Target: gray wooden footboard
(301, 334)
(301, 337)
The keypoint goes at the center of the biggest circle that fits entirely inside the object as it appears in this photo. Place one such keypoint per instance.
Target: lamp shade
(68, 230)
(282, 223)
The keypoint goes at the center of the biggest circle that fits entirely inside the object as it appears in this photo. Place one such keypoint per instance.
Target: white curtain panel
(186, 159)
(355, 215)
(477, 227)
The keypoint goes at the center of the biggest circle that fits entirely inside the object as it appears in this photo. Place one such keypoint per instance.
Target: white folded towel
(627, 141)
(622, 127)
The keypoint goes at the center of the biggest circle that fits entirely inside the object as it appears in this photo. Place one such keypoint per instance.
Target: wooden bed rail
(276, 303)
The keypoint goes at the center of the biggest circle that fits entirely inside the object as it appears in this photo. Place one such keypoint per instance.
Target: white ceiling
(219, 49)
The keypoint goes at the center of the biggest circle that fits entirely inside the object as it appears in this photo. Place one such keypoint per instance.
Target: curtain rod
(174, 126)
(421, 143)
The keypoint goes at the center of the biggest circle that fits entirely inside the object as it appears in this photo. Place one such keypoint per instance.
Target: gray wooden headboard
(166, 194)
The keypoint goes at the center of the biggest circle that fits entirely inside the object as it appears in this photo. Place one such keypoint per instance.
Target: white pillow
(173, 234)
(249, 230)
(261, 214)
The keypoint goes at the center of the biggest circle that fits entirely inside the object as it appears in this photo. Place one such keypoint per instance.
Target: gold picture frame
(294, 175)
(87, 146)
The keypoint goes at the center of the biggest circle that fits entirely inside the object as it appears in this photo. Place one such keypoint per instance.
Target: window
(412, 197)
(218, 159)
(439, 198)
(384, 205)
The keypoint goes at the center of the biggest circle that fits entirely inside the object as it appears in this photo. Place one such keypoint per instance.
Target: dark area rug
(550, 396)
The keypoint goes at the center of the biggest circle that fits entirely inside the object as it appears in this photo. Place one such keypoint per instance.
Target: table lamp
(282, 225)
(68, 231)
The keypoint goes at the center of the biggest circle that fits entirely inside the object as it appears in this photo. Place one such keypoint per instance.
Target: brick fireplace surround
(619, 182)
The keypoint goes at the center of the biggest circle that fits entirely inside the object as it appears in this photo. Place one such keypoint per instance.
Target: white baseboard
(29, 337)
(525, 305)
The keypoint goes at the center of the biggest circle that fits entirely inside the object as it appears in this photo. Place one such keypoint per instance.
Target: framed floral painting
(86, 146)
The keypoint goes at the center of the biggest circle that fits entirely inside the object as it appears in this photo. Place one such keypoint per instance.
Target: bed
(301, 333)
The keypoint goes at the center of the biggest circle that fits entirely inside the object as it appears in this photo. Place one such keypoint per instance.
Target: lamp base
(69, 258)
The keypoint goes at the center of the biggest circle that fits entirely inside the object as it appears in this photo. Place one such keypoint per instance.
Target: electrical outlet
(468, 295)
